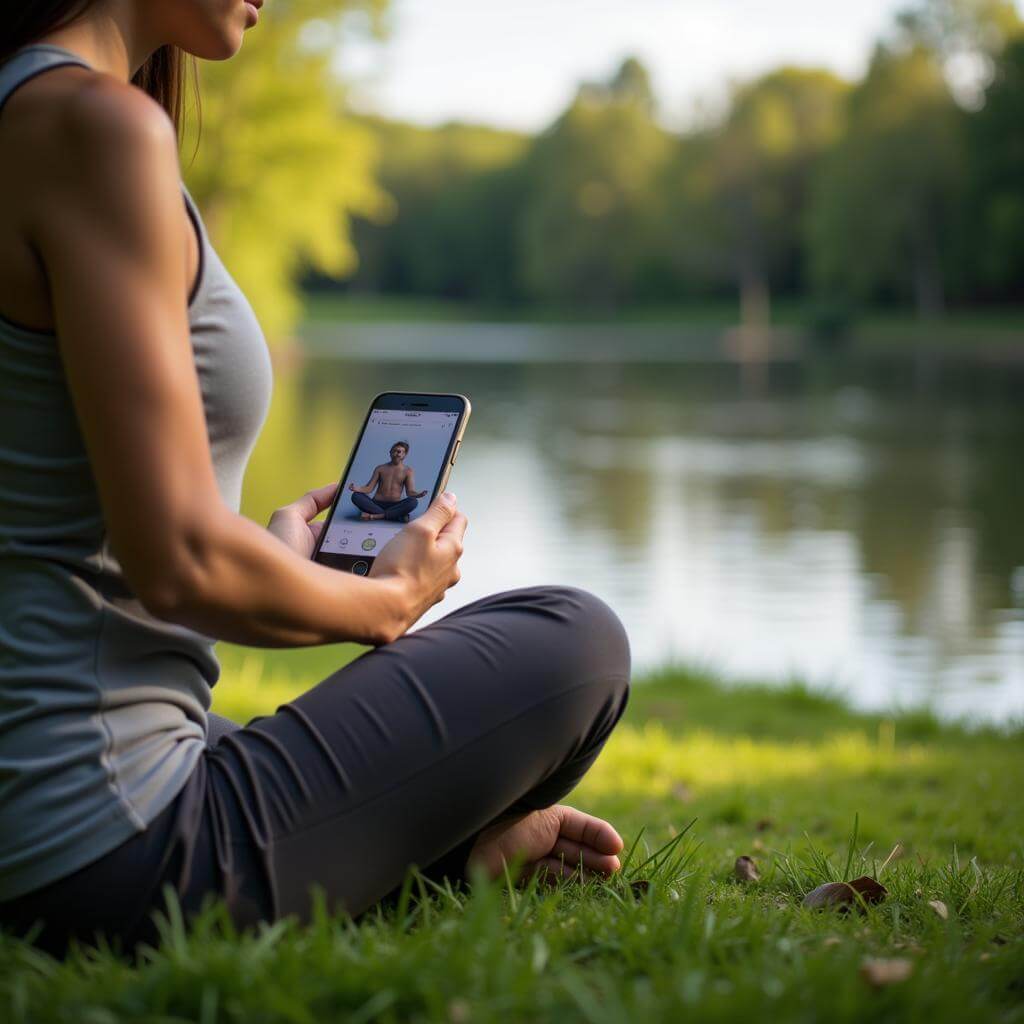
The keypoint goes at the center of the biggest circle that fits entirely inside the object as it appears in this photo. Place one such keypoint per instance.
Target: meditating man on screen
(390, 479)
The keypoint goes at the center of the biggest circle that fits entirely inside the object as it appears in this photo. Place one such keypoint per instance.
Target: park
(742, 323)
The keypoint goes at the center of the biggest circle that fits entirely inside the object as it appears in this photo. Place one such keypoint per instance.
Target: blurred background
(737, 291)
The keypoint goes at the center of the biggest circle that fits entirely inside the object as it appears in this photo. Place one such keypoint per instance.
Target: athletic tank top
(102, 705)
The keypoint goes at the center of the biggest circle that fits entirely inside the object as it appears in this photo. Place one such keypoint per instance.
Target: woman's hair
(162, 76)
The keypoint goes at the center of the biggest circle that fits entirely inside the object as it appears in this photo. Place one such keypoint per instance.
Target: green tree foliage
(457, 191)
(997, 180)
(903, 188)
(589, 222)
(280, 169)
(885, 210)
(950, 28)
(738, 191)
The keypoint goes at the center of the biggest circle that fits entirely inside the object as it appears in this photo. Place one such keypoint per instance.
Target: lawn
(889, 325)
(704, 773)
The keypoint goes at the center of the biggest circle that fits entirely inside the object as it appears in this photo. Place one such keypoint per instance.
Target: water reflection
(846, 524)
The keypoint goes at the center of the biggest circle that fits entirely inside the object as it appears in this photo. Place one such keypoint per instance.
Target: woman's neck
(110, 37)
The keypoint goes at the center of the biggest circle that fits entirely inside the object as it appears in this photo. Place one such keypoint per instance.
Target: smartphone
(400, 463)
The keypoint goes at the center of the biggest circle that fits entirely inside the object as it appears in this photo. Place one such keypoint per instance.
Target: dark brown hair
(163, 76)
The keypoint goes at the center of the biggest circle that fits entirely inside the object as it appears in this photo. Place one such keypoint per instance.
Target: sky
(516, 63)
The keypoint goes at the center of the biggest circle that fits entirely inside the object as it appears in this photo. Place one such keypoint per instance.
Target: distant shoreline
(388, 329)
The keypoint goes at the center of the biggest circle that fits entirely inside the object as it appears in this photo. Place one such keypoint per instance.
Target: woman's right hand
(422, 558)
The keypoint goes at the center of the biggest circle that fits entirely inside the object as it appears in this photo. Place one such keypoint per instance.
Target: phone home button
(361, 568)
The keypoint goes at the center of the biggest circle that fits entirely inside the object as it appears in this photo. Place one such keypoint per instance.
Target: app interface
(391, 480)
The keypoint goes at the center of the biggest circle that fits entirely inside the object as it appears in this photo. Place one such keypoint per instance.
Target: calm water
(858, 525)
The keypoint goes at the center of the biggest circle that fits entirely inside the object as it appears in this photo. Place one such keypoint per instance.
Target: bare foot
(554, 839)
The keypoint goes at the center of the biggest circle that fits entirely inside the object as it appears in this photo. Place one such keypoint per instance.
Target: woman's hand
(422, 558)
(293, 523)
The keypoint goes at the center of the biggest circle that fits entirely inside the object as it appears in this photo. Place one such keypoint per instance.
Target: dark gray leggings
(398, 759)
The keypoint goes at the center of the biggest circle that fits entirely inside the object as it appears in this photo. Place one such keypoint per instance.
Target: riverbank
(325, 307)
(383, 330)
(808, 788)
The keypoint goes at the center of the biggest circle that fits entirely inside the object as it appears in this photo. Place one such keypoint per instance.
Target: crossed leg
(441, 744)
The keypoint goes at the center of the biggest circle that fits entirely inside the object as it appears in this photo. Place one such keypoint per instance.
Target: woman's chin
(219, 45)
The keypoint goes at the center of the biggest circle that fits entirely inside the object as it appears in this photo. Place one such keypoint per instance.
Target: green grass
(702, 772)
(881, 326)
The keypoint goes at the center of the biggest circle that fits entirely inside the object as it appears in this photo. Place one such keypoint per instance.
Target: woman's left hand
(293, 523)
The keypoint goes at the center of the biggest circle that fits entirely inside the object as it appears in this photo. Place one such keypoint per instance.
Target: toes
(589, 831)
(573, 852)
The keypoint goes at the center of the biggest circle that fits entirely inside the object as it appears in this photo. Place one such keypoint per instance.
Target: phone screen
(394, 474)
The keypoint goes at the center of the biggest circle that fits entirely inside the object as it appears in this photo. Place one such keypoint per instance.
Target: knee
(595, 641)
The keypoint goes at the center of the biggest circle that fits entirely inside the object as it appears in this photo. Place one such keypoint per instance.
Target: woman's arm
(110, 227)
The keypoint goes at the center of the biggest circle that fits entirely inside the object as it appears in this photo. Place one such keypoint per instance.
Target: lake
(856, 523)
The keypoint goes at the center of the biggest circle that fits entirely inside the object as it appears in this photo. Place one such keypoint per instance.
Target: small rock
(878, 972)
(746, 869)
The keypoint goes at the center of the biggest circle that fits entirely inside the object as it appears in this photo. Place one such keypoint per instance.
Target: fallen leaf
(878, 972)
(746, 869)
(843, 895)
(763, 824)
(940, 908)
(828, 895)
(870, 889)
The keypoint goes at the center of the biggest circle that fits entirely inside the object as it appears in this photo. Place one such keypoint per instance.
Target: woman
(133, 381)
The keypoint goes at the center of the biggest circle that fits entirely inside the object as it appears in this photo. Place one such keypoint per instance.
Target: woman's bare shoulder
(76, 117)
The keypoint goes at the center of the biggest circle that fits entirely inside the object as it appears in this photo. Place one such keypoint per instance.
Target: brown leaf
(763, 824)
(746, 869)
(870, 889)
(831, 894)
(940, 908)
(878, 972)
(844, 895)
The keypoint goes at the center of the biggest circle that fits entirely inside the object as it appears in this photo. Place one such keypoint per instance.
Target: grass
(894, 325)
(698, 773)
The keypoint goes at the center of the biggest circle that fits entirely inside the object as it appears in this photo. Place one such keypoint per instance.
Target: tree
(741, 188)
(996, 204)
(280, 168)
(886, 205)
(589, 220)
(457, 195)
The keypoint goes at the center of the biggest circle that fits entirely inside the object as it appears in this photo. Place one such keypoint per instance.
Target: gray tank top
(102, 706)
